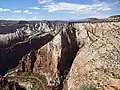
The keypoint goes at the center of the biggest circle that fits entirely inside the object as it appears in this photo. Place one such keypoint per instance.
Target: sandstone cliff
(98, 60)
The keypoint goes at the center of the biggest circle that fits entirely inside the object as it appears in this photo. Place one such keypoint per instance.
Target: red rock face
(39, 61)
(43, 61)
(27, 63)
(48, 56)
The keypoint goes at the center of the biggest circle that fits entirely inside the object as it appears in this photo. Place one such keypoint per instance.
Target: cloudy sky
(57, 9)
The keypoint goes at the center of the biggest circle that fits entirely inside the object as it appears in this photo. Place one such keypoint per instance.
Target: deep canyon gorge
(59, 55)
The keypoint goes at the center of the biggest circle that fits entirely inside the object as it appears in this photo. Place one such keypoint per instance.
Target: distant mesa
(22, 22)
(89, 20)
(92, 19)
(114, 18)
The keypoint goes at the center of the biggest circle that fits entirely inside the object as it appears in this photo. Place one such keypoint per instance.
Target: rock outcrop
(27, 62)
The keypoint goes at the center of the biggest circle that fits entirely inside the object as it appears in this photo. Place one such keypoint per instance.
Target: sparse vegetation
(43, 79)
(28, 78)
(36, 85)
(87, 87)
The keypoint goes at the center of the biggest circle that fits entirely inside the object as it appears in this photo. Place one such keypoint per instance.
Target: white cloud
(13, 19)
(4, 10)
(35, 8)
(17, 11)
(104, 9)
(107, 9)
(72, 12)
(71, 7)
(44, 1)
(34, 17)
(27, 12)
(117, 2)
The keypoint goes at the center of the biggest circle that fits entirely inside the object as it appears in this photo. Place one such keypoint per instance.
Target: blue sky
(57, 9)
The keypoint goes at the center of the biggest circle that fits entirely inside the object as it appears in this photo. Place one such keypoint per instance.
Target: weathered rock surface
(99, 58)
(27, 62)
(113, 84)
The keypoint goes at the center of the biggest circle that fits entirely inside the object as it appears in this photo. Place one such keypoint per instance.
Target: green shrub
(43, 79)
(87, 87)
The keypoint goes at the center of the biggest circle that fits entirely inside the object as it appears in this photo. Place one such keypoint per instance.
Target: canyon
(60, 55)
